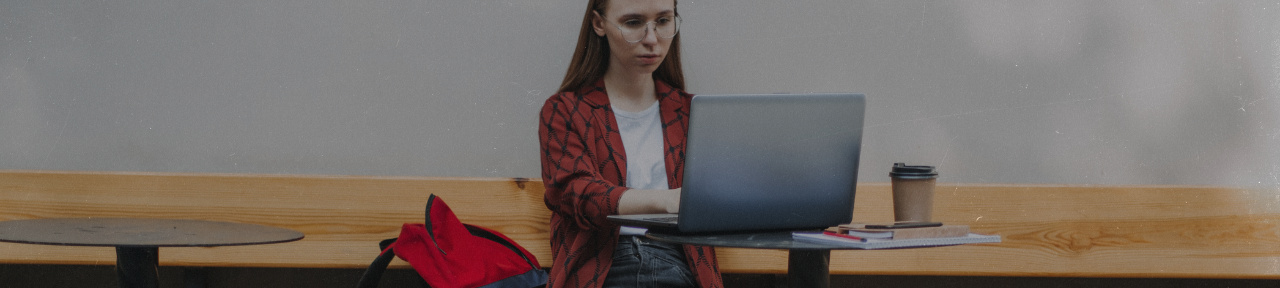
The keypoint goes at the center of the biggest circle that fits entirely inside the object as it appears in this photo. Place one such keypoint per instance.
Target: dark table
(137, 241)
(808, 264)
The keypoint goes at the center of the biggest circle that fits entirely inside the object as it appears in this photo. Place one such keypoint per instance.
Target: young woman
(613, 143)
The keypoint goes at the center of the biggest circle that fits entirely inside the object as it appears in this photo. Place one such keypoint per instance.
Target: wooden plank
(1070, 231)
(343, 216)
(1048, 230)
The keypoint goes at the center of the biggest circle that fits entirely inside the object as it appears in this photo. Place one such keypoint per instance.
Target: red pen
(842, 235)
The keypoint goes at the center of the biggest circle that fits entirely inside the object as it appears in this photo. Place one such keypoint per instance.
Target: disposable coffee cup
(913, 192)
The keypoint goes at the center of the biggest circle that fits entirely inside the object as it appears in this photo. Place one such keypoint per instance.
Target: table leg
(809, 268)
(136, 267)
(195, 277)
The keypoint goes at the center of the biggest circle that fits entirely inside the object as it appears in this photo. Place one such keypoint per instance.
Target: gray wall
(1097, 92)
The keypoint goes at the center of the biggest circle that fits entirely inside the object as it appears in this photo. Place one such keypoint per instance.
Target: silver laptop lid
(771, 161)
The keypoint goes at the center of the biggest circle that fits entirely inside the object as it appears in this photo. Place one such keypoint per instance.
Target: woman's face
(639, 33)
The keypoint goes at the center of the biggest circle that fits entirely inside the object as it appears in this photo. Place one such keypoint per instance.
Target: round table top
(139, 232)
(758, 240)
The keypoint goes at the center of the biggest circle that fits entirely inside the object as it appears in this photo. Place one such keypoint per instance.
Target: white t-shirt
(642, 142)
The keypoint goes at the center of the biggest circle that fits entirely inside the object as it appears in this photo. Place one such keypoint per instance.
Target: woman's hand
(642, 201)
(673, 201)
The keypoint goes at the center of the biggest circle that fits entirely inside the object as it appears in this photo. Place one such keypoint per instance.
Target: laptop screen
(771, 161)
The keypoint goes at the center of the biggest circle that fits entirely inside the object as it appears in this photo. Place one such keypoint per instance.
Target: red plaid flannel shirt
(583, 168)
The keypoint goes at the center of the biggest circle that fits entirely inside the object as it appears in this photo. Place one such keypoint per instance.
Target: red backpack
(448, 253)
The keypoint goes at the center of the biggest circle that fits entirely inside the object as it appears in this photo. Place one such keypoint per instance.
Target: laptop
(766, 162)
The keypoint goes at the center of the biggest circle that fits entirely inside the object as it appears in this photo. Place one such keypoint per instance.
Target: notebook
(766, 162)
(854, 242)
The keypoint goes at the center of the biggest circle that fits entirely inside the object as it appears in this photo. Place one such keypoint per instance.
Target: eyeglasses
(634, 30)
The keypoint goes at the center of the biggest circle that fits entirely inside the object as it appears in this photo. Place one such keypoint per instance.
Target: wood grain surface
(343, 217)
(1047, 230)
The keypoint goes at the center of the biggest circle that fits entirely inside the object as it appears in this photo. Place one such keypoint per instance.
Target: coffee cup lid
(901, 170)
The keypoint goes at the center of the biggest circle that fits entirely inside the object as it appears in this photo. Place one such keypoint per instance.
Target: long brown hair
(591, 57)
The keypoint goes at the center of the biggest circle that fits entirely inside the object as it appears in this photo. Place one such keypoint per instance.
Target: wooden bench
(1048, 230)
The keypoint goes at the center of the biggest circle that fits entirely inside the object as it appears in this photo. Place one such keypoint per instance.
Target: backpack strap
(430, 230)
(373, 275)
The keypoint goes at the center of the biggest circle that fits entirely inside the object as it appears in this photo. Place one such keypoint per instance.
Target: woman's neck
(630, 92)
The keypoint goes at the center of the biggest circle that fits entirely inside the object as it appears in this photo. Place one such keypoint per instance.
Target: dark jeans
(643, 262)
